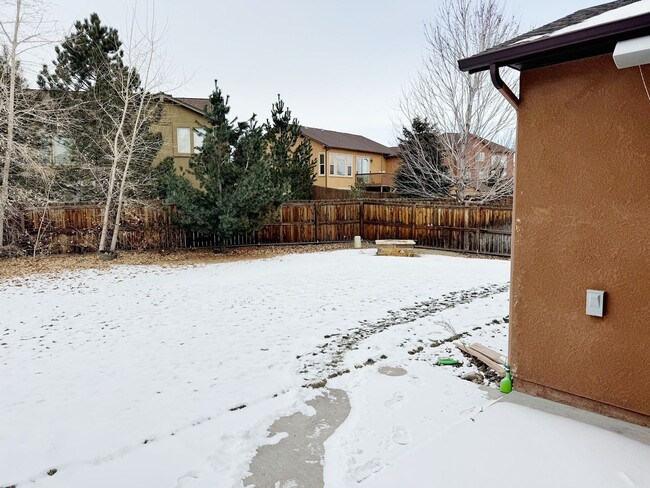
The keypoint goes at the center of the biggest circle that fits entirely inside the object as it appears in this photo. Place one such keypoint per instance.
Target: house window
(363, 165)
(340, 164)
(321, 164)
(183, 140)
(499, 160)
(61, 150)
(199, 137)
(480, 156)
(189, 139)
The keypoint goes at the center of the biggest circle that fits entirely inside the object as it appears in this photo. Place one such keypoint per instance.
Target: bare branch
(465, 109)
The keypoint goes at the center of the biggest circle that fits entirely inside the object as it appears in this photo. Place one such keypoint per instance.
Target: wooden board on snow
(495, 356)
(496, 367)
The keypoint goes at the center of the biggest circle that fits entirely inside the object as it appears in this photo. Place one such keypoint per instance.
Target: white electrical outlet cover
(595, 302)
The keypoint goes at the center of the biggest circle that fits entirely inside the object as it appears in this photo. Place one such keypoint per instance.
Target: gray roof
(569, 20)
(343, 140)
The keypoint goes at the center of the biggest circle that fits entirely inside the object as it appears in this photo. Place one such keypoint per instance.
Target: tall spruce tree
(235, 191)
(86, 78)
(422, 172)
(290, 155)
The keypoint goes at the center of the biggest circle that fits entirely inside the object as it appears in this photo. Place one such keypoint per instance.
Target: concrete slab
(297, 460)
(631, 431)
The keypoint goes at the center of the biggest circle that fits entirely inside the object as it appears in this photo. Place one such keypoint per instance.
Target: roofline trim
(553, 49)
(328, 147)
(182, 104)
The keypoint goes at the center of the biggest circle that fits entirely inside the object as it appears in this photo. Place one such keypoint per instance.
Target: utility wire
(644, 83)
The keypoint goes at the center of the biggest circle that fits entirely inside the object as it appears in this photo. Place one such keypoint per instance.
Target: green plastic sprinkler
(506, 383)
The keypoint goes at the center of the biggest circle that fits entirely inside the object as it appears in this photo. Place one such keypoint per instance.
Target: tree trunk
(4, 193)
(111, 183)
(118, 212)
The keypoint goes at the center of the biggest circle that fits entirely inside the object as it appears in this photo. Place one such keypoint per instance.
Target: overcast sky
(338, 64)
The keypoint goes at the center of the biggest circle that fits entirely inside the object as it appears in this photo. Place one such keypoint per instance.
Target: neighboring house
(342, 158)
(581, 208)
(483, 156)
(181, 126)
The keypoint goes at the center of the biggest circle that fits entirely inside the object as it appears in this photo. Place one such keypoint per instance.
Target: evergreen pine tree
(290, 155)
(85, 78)
(422, 172)
(235, 192)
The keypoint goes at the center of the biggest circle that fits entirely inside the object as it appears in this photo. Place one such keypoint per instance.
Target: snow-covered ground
(171, 376)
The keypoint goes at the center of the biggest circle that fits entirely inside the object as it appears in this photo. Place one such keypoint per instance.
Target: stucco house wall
(175, 116)
(582, 208)
(377, 165)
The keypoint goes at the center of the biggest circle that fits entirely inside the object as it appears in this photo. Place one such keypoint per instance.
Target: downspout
(504, 89)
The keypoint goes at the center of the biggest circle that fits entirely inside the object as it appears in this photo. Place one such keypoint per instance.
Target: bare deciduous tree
(26, 117)
(11, 32)
(466, 110)
(137, 106)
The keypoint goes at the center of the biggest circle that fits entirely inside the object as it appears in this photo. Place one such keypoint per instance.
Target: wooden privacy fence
(469, 228)
(76, 229)
(322, 193)
(472, 229)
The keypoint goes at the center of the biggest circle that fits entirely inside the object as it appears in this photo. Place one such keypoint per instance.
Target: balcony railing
(383, 180)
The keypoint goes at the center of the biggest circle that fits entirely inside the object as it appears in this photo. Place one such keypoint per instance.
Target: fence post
(361, 229)
(281, 230)
(478, 230)
(316, 210)
(413, 229)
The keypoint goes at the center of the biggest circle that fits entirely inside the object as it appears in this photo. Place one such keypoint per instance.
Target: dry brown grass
(23, 266)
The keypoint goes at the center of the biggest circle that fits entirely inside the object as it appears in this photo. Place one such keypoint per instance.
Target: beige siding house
(181, 126)
(342, 158)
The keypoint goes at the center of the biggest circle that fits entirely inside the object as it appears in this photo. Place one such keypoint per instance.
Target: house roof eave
(591, 41)
(182, 104)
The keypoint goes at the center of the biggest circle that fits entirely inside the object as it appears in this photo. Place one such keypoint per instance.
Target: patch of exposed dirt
(335, 348)
(13, 267)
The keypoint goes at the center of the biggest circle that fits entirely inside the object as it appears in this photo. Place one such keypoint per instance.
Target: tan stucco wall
(392, 164)
(582, 215)
(377, 165)
(173, 117)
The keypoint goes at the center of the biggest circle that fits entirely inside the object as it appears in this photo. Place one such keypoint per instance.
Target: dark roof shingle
(567, 21)
(197, 103)
(343, 140)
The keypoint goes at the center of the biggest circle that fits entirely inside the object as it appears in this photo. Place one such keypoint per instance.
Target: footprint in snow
(397, 401)
(401, 436)
(187, 479)
(371, 467)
